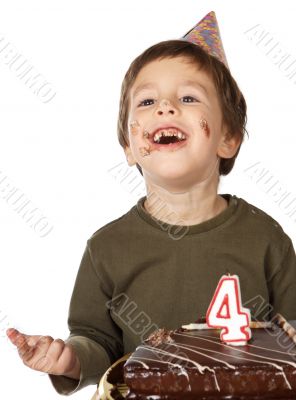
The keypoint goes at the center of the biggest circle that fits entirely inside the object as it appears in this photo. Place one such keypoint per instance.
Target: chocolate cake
(195, 364)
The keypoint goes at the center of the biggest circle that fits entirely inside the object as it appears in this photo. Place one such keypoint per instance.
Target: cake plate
(111, 385)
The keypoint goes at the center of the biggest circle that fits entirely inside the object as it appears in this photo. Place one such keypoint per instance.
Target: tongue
(169, 139)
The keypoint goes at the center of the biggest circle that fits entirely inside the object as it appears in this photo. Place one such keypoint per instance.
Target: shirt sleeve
(95, 337)
(282, 285)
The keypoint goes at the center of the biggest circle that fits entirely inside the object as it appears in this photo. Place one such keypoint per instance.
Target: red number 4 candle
(226, 312)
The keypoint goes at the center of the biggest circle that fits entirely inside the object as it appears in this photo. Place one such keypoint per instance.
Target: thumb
(12, 334)
(20, 341)
(16, 337)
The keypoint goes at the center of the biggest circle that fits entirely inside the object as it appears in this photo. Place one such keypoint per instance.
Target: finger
(25, 351)
(28, 352)
(56, 349)
(32, 340)
(53, 355)
(13, 334)
(18, 339)
(42, 343)
(10, 331)
(67, 359)
(36, 358)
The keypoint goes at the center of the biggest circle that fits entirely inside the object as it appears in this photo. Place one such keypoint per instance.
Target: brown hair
(232, 102)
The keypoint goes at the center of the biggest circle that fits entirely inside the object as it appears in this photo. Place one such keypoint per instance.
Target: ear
(129, 156)
(228, 146)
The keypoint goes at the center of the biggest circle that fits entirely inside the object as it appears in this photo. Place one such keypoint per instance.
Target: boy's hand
(43, 353)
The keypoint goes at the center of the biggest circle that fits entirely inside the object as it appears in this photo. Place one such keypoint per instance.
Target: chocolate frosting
(195, 364)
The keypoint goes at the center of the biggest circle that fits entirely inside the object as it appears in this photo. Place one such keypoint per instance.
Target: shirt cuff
(94, 361)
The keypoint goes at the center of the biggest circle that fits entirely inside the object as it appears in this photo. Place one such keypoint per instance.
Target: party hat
(206, 34)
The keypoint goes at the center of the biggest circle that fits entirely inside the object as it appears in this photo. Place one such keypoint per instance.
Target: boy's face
(175, 93)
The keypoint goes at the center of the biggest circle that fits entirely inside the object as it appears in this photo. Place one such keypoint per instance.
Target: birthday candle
(226, 312)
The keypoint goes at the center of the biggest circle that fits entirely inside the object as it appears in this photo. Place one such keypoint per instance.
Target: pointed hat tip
(206, 34)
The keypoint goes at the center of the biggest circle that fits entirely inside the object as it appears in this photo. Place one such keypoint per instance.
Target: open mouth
(168, 136)
(169, 139)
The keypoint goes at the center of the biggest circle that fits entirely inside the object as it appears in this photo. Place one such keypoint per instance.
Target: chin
(171, 175)
(173, 181)
(174, 171)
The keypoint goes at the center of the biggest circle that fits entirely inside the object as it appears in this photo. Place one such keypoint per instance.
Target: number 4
(226, 312)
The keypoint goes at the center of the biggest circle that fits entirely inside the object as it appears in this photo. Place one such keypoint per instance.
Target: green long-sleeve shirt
(138, 274)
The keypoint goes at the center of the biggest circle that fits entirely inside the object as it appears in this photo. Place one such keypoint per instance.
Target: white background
(59, 153)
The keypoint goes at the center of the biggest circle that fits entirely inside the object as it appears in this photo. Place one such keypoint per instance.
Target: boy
(181, 122)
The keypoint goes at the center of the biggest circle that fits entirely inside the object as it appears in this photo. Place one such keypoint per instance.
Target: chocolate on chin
(195, 364)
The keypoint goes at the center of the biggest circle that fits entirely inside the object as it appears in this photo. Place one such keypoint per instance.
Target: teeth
(168, 132)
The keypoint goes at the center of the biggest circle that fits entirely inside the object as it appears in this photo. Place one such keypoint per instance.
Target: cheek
(136, 123)
(205, 127)
(137, 137)
(134, 127)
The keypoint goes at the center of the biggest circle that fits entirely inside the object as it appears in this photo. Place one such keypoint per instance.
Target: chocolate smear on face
(145, 151)
(134, 127)
(205, 127)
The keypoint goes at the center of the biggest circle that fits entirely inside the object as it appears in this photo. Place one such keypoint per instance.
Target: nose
(165, 107)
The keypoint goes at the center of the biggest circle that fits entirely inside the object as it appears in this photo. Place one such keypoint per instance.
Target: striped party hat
(206, 35)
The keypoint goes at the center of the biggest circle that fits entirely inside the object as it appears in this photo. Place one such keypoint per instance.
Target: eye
(144, 102)
(189, 97)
